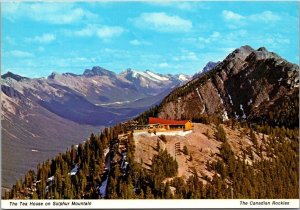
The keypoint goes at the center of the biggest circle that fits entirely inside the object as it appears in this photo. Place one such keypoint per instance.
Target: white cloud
(227, 50)
(135, 42)
(232, 16)
(163, 65)
(104, 32)
(190, 56)
(9, 40)
(211, 38)
(187, 6)
(274, 40)
(235, 35)
(266, 16)
(139, 42)
(54, 13)
(41, 49)
(107, 32)
(9, 9)
(229, 40)
(235, 18)
(19, 54)
(160, 21)
(215, 34)
(44, 38)
(186, 55)
(215, 38)
(90, 30)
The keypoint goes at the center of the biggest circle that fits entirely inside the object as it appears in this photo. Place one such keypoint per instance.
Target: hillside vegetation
(260, 165)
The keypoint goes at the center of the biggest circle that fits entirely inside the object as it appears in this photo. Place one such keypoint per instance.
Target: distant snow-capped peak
(183, 77)
(149, 75)
(155, 77)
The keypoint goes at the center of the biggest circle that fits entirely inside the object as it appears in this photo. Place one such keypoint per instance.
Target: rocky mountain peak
(13, 76)
(54, 75)
(240, 53)
(261, 54)
(244, 56)
(129, 74)
(235, 60)
(70, 74)
(127, 71)
(98, 71)
(262, 49)
(248, 85)
(209, 66)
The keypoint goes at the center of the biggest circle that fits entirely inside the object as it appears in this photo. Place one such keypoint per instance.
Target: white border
(151, 204)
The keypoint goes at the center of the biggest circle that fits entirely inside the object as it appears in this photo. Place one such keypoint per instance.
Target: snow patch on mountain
(229, 96)
(183, 77)
(242, 109)
(149, 75)
(156, 76)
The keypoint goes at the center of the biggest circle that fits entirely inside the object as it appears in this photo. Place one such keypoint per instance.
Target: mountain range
(43, 116)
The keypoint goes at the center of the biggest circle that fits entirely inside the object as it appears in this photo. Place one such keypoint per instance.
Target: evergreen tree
(220, 134)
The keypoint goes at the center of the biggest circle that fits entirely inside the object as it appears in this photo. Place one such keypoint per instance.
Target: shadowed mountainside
(253, 85)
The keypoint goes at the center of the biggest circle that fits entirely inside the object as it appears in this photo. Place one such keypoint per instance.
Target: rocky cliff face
(249, 84)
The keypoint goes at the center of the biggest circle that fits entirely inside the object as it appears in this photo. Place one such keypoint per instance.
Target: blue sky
(181, 37)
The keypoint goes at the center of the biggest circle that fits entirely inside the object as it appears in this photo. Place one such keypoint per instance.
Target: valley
(43, 116)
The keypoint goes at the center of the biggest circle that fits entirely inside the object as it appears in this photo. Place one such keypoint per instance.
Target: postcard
(149, 104)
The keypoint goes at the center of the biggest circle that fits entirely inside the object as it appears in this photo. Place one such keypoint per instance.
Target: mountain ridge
(238, 87)
(94, 71)
(13, 76)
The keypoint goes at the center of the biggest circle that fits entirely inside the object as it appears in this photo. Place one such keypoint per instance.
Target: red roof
(153, 120)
